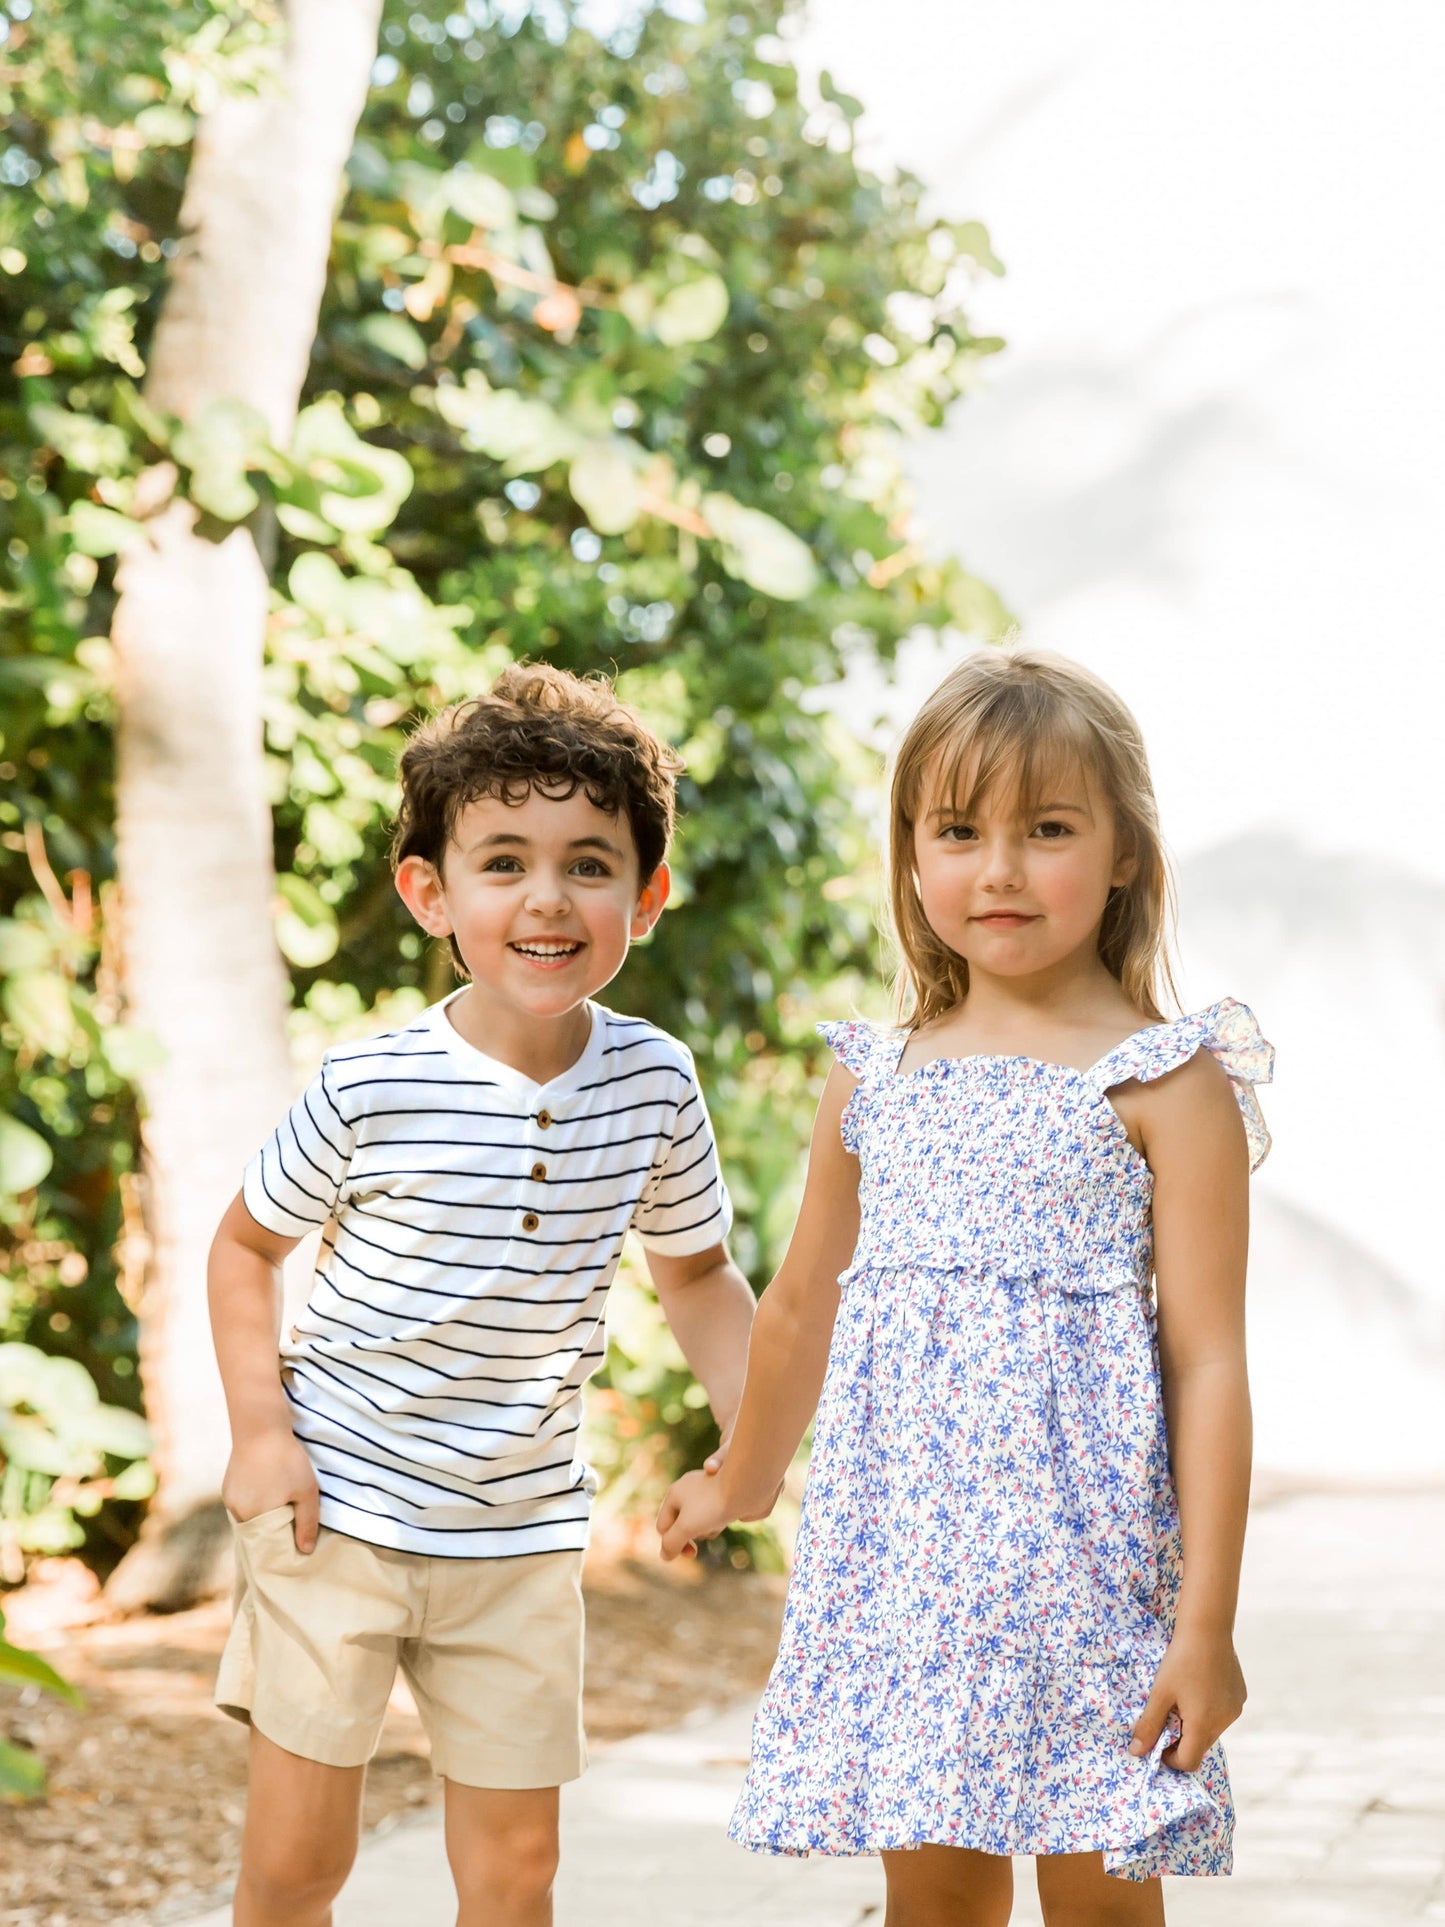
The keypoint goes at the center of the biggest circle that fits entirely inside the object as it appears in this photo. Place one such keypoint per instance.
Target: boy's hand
(1201, 1683)
(693, 1510)
(268, 1470)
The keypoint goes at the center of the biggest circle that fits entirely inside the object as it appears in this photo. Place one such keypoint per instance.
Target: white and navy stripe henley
(474, 1221)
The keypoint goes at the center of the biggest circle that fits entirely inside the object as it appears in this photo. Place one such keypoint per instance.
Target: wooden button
(530, 1221)
(539, 1170)
(544, 1120)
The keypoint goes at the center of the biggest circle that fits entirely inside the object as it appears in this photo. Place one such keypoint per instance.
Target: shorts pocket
(273, 1515)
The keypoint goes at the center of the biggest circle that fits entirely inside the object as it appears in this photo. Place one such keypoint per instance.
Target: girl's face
(1015, 891)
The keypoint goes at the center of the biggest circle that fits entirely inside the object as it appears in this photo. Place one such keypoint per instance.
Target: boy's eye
(501, 866)
(591, 866)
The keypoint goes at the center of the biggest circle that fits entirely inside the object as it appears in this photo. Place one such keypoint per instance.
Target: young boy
(406, 1485)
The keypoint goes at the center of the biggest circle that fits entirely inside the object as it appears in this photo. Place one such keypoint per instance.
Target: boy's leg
(1074, 1891)
(502, 1846)
(948, 1887)
(302, 1825)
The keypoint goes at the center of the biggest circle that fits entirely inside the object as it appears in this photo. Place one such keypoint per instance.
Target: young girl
(1009, 1628)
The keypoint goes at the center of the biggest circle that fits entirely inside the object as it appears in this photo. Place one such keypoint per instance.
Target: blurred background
(1209, 465)
(767, 361)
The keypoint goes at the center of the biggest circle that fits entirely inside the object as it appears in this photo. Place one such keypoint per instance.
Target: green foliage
(22, 1775)
(63, 1454)
(616, 346)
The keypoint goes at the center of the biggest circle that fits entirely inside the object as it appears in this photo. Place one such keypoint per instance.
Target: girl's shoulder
(870, 1051)
(1229, 1031)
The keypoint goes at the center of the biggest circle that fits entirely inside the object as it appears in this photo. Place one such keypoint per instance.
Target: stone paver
(1338, 1765)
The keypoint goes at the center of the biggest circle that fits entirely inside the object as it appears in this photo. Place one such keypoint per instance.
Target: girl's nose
(1002, 867)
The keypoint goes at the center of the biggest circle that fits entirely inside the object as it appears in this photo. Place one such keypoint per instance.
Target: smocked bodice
(1018, 1166)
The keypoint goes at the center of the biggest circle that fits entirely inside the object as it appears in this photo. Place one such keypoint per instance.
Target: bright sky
(1209, 463)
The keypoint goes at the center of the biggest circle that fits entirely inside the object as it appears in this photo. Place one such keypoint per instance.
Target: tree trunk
(193, 817)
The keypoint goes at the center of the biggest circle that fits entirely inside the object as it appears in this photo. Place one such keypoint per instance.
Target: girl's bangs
(1025, 743)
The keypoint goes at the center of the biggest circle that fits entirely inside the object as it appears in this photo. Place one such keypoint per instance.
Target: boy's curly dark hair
(537, 728)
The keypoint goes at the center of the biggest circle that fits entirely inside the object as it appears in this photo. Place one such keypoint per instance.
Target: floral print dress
(989, 1553)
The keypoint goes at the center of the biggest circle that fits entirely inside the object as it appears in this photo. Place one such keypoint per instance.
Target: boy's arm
(268, 1465)
(788, 1352)
(1196, 1147)
(709, 1306)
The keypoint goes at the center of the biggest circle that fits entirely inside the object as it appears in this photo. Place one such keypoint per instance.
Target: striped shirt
(474, 1222)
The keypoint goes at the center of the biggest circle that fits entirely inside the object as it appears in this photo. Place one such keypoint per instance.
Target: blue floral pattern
(989, 1555)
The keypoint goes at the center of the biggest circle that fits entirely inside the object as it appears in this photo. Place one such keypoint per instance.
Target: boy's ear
(419, 886)
(650, 901)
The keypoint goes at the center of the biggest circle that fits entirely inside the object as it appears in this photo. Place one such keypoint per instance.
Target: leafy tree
(615, 347)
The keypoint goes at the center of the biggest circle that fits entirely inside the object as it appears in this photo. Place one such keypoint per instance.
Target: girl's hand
(693, 1510)
(1199, 1682)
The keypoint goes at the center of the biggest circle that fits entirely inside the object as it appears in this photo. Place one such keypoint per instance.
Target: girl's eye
(958, 832)
(1051, 830)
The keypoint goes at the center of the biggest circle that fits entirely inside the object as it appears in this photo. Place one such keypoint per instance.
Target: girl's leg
(1074, 1891)
(948, 1887)
(302, 1825)
(502, 1847)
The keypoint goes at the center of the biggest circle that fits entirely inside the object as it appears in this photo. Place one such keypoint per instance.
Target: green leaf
(23, 946)
(138, 1481)
(22, 1773)
(480, 199)
(164, 125)
(22, 1668)
(693, 312)
(97, 531)
(522, 431)
(132, 1051)
(226, 438)
(25, 1158)
(89, 446)
(760, 550)
(393, 335)
(318, 586)
(604, 482)
(37, 1002)
(971, 238)
(306, 924)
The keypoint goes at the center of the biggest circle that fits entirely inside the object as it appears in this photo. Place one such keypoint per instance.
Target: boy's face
(543, 898)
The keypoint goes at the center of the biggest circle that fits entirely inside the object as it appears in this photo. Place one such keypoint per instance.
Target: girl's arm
(788, 1353)
(268, 1465)
(1195, 1144)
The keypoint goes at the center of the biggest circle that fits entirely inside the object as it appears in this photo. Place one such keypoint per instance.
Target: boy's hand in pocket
(271, 1469)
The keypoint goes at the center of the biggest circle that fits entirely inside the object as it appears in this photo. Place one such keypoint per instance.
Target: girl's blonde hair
(1019, 716)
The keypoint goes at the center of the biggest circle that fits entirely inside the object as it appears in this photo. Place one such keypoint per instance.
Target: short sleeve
(685, 1205)
(1230, 1032)
(867, 1051)
(294, 1181)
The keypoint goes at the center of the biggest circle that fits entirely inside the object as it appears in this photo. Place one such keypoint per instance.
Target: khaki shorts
(491, 1648)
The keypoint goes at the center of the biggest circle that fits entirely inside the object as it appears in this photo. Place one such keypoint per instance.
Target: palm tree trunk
(193, 820)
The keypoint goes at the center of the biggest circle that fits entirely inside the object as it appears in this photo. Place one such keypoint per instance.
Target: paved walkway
(1338, 1765)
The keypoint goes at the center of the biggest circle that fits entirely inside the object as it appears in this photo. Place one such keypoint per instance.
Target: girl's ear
(651, 899)
(1126, 867)
(420, 888)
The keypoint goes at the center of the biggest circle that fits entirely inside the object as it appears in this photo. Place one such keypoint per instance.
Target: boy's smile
(543, 899)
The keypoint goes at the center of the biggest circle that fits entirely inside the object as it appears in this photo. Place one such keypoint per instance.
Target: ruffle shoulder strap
(1230, 1033)
(865, 1049)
